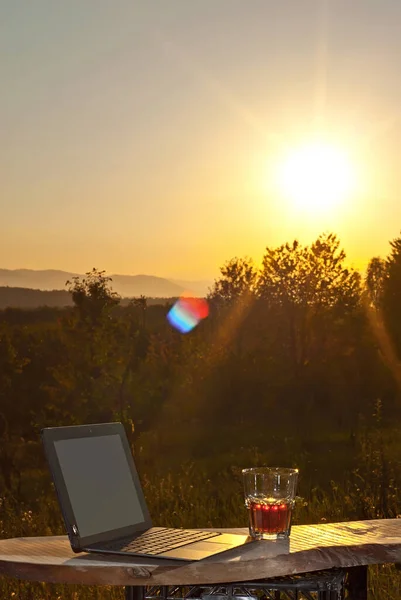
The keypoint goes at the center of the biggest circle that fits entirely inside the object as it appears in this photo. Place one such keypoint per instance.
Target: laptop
(103, 504)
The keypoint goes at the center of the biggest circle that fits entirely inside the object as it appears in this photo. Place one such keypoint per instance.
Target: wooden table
(351, 545)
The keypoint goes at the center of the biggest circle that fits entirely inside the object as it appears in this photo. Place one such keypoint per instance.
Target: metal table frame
(325, 587)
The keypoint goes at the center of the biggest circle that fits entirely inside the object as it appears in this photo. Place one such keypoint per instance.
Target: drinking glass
(270, 499)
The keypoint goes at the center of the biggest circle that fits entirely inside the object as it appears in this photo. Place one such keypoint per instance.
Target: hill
(126, 285)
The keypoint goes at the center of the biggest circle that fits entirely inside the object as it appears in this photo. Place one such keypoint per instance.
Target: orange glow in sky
(135, 137)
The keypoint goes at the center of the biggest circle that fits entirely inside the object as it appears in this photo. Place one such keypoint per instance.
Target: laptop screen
(99, 483)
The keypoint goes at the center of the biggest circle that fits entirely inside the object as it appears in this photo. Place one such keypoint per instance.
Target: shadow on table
(249, 551)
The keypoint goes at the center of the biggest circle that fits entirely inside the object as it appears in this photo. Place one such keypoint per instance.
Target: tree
(86, 380)
(237, 281)
(375, 278)
(92, 296)
(314, 276)
(330, 282)
(308, 288)
(391, 296)
(141, 304)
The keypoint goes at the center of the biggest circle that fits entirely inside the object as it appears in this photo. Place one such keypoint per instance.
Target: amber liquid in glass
(270, 518)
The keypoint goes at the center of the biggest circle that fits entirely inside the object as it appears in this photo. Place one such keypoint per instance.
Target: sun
(316, 177)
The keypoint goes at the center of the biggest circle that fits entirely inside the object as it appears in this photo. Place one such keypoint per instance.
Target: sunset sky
(147, 136)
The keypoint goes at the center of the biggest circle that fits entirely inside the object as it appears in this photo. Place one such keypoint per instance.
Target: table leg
(134, 592)
(358, 583)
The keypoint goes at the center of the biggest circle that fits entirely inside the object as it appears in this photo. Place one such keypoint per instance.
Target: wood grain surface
(310, 548)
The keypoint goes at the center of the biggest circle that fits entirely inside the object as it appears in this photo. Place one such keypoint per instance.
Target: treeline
(300, 349)
(26, 298)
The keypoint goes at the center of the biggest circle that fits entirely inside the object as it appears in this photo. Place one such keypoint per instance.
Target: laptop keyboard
(160, 540)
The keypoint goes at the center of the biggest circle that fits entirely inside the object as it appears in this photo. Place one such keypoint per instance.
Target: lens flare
(187, 313)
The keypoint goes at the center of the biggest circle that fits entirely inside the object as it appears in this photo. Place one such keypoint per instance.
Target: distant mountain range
(126, 285)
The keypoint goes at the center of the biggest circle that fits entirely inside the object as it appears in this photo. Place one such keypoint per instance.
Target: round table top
(310, 548)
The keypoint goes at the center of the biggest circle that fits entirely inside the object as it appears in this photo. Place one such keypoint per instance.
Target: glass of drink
(270, 499)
